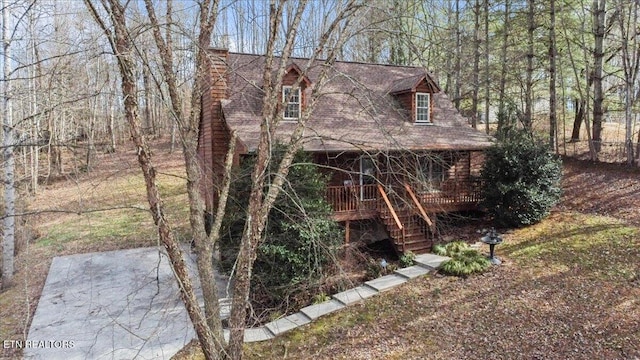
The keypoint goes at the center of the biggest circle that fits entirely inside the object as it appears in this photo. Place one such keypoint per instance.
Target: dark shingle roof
(355, 112)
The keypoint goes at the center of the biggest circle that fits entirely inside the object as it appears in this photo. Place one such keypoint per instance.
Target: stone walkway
(425, 263)
(124, 304)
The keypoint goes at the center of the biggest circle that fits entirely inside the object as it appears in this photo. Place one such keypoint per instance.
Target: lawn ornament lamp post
(492, 238)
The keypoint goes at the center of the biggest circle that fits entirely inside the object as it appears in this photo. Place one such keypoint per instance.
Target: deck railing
(387, 206)
(449, 193)
(352, 197)
(364, 197)
(418, 205)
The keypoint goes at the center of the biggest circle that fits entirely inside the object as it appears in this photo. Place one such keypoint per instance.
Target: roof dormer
(291, 75)
(415, 95)
(294, 84)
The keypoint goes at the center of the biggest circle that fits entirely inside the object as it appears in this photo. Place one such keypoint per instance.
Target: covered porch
(402, 191)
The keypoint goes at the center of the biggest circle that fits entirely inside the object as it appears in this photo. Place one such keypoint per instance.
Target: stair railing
(418, 205)
(385, 198)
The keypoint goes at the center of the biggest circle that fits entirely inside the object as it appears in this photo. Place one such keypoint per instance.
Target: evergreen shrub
(300, 238)
(521, 180)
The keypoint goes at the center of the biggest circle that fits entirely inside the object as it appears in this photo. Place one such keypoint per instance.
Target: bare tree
(476, 65)
(528, 93)
(8, 233)
(487, 98)
(503, 69)
(115, 28)
(553, 122)
(458, 62)
(263, 195)
(599, 12)
(188, 128)
(627, 13)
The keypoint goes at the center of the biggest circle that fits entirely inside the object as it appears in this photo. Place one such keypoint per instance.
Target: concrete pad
(116, 305)
(431, 260)
(287, 323)
(412, 271)
(257, 334)
(315, 311)
(354, 295)
(386, 282)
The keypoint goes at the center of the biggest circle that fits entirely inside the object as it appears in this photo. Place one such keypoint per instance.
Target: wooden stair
(409, 227)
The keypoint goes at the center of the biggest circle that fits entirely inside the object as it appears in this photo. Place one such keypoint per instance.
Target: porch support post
(347, 230)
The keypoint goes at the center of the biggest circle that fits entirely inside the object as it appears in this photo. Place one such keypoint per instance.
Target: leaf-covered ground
(598, 188)
(569, 289)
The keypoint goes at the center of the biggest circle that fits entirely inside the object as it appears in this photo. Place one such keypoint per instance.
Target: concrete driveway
(112, 305)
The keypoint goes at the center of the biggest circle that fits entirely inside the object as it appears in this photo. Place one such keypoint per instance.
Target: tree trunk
(628, 21)
(261, 200)
(476, 65)
(148, 122)
(8, 233)
(503, 70)
(458, 55)
(90, 138)
(122, 46)
(579, 105)
(111, 124)
(598, 57)
(553, 122)
(188, 126)
(451, 34)
(638, 150)
(528, 96)
(486, 65)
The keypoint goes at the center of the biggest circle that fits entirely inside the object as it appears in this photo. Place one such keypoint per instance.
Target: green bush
(407, 259)
(521, 181)
(300, 237)
(464, 260)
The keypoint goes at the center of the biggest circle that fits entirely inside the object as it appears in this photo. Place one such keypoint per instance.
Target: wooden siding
(407, 100)
(347, 162)
(214, 135)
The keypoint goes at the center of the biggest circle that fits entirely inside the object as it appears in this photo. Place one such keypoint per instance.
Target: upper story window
(423, 107)
(291, 98)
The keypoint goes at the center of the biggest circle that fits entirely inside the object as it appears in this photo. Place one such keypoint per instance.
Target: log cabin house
(397, 151)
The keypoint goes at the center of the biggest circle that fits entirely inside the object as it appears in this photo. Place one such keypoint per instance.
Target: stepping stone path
(425, 263)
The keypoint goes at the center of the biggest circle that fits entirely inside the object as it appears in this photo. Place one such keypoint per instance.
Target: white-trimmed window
(291, 98)
(423, 107)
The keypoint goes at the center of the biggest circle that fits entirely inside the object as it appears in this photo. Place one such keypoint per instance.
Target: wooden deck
(356, 202)
(408, 215)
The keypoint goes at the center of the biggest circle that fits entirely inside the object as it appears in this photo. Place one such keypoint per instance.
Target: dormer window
(291, 99)
(423, 108)
(414, 95)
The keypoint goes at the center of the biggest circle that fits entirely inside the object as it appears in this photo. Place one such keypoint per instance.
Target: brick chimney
(213, 140)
